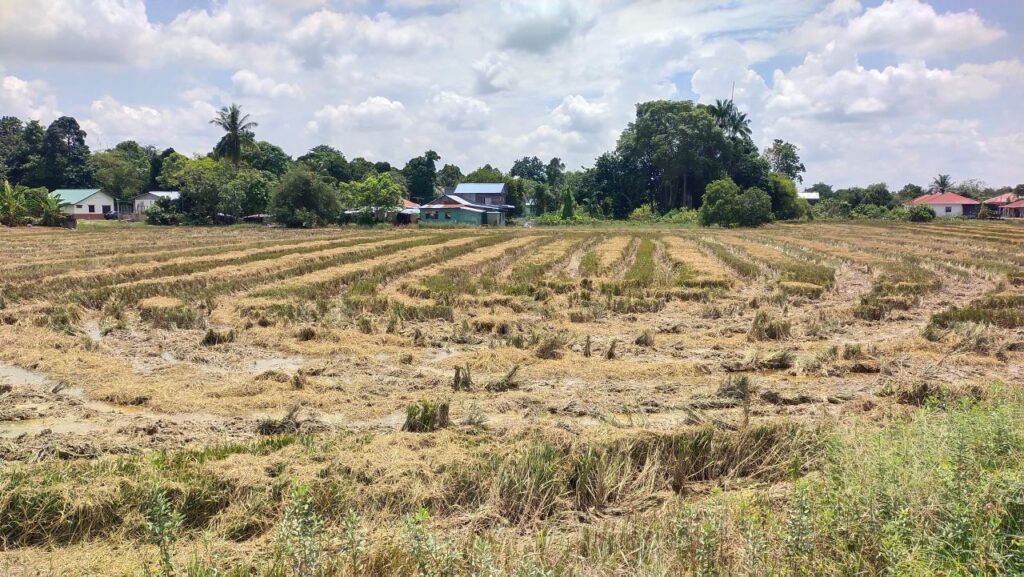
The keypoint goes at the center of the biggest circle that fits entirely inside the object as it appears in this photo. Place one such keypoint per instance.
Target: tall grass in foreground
(939, 493)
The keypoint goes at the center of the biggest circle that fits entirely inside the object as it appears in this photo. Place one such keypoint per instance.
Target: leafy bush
(725, 205)
(867, 211)
(786, 203)
(923, 213)
(831, 209)
(304, 199)
(164, 211)
(643, 213)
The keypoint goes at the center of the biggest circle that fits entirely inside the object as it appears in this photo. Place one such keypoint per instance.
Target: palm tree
(729, 118)
(739, 125)
(721, 110)
(941, 183)
(238, 133)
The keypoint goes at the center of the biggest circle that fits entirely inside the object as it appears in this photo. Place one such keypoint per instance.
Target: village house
(997, 203)
(85, 203)
(471, 203)
(1013, 209)
(947, 204)
(146, 200)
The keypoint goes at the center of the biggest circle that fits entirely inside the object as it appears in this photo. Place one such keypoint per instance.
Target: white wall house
(85, 203)
(947, 204)
(146, 200)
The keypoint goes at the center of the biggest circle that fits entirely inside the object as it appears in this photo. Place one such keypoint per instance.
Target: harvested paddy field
(608, 401)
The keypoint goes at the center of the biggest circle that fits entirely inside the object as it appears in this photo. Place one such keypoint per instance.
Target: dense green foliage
(303, 199)
(662, 163)
(726, 205)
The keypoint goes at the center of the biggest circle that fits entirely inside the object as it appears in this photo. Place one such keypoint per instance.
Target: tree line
(673, 158)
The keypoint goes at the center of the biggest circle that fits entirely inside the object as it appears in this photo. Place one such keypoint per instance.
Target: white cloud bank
(893, 91)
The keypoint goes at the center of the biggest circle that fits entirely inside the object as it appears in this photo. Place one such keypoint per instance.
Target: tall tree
(237, 133)
(670, 153)
(123, 171)
(553, 172)
(449, 175)
(328, 163)
(784, 157)
(267, 157)
(12, 145)
(421, 176)
(360, 168)
(65, 156)
(303, 199)
(530, 168)
(377, 191)
(941, 183)
(485, 173)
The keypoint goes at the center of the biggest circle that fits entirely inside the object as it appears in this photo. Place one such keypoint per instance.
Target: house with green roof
(85, 203)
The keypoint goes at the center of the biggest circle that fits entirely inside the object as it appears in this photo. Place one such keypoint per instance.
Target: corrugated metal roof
(74, 195)
(480, 188)
(809, 195)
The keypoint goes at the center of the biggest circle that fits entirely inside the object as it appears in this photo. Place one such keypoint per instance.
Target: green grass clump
(590, 265)
(742, 267)
(426, 416)
(173, 317)
(641, 273)
(61, 318)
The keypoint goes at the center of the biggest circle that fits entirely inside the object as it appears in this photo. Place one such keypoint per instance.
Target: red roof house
(1002, 199)
(947, 204)
(1013, 209)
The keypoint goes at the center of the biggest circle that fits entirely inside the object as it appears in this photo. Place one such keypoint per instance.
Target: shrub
(831, 209)
(304, 199)
(643, 213)
(164, 212)
(923, 213)
(725, 205)
(786, 203)
(868, 212)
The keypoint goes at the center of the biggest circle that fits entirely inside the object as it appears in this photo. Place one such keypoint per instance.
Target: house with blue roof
(85, 203)
(479, 203)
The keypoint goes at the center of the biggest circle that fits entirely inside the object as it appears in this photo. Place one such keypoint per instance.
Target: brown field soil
(572, 337)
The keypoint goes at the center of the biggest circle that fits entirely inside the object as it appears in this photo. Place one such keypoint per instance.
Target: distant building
(85, 203)
(453, 209)
(1013, 209)
(485, 193)
(472, 203)
(146, 200)
(947, 204)
(997, 203)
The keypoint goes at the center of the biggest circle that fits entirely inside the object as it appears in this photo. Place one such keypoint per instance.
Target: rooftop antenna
(732, 95)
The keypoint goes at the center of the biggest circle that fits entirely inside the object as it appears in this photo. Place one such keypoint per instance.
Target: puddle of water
(19, 376)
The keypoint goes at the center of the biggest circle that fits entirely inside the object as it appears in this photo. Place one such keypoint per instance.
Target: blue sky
(893, 91)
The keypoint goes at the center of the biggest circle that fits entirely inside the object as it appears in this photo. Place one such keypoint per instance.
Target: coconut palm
(941, 183)
(238, 133)
(730, 119)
